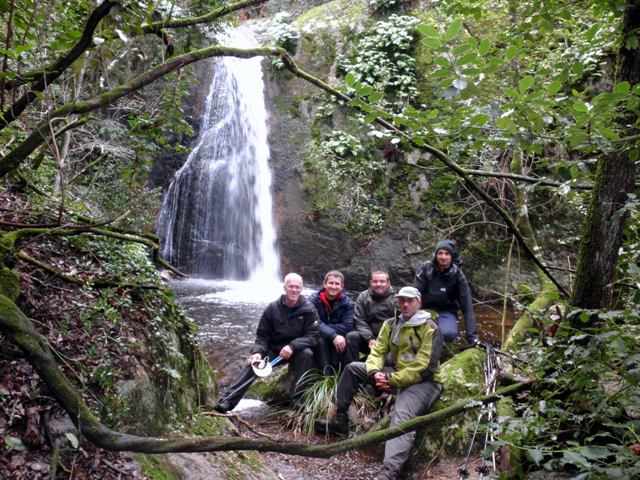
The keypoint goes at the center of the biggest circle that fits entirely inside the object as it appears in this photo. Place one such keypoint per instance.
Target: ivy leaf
(484, 47)
(370, 117)
(432, 42)
(366, 91)
(535, 455)
(622, 88)
(375, 97)
(576, 459)
(453, 30)
(511, 52)
(428, 30)
(14, 443)
(525, 84)
(592, 32)
(479, 119)
(577, 68)
(554, 87)
(512, 92)
(577, 138)
(350, 79)
(581, 107)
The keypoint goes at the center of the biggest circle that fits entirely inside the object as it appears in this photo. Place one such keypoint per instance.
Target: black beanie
(447, 245)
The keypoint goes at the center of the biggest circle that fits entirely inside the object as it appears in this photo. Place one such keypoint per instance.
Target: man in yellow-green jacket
(414, 343)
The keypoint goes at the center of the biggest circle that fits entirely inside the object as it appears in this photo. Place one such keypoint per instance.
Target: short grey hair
(292, 276)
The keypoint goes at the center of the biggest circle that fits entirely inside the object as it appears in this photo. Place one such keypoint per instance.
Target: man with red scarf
(335, 310)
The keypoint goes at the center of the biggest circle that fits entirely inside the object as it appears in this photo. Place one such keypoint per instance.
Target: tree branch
(156, 27)
(21, 331)
(51, 73)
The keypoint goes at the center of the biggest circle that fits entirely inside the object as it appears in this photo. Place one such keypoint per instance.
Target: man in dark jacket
(373, 307)
(289, 328)
(445, 289)
(335, 310)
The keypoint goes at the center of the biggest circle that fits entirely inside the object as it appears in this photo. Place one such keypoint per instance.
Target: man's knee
(353, 337)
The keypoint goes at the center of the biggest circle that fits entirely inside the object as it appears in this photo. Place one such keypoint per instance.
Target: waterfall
(216, 219)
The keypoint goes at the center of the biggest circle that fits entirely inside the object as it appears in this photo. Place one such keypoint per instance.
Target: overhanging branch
(51, 73)
(21, 331)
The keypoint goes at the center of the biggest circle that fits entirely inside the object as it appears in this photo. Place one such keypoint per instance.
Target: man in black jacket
(289, 328)
(445, 289)
(373, 307)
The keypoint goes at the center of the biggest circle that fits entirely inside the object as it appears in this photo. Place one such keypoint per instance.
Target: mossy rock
(340, 12)
(462, 377)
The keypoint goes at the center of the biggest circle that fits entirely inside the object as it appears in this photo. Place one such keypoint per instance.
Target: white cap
(409, 292)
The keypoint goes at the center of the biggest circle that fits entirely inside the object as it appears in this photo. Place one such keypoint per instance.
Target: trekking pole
(266, 365)
(490, 371)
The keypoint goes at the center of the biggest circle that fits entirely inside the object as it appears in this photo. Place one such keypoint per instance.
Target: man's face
(379, 283)
(444, 259)
(333, 286)
(292, 290)
(408, 306)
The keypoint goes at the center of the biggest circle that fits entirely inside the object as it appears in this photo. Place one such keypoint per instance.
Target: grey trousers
(411, 402)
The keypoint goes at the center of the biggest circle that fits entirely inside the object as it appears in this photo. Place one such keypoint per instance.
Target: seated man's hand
(256, 357)
(286, 352)
(372, 342)
(340, 343)
(382, 381)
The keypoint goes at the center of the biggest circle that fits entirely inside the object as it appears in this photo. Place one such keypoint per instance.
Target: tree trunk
(615, 177)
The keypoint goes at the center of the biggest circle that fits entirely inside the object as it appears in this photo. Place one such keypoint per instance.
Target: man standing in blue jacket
(445, 289)
(335, 310)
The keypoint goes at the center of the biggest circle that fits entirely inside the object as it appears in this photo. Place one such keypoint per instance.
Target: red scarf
(328, 303)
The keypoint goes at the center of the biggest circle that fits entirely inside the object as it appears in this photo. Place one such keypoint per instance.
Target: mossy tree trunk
(615, 177)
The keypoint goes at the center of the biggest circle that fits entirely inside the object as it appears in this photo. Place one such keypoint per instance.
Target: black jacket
(372, 310)
(280, 325)
(448, 290)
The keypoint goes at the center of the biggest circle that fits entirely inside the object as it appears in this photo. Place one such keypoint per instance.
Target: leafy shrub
(384, 58)
(583, 412)
(283, 35)
(344, 182)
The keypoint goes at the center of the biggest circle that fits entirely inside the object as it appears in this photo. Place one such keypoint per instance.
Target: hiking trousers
(411, 402)
(299, 364)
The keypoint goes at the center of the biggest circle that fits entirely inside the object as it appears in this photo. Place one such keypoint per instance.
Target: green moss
(9, 283)
(157, 467)
(207, 426)
(341, 11)
(271, 389)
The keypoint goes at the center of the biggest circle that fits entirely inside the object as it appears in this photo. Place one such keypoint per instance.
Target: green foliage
(283, 35)
(346, 184)
(383, 63)
(583, 413)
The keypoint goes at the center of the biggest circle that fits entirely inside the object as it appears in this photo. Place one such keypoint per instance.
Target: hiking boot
(222, 407)
(339, 425)
(387, 473)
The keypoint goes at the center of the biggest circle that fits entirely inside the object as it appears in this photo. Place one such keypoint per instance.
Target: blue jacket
(339, 321)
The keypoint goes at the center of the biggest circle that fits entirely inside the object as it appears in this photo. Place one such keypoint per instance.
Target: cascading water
(216, 219)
